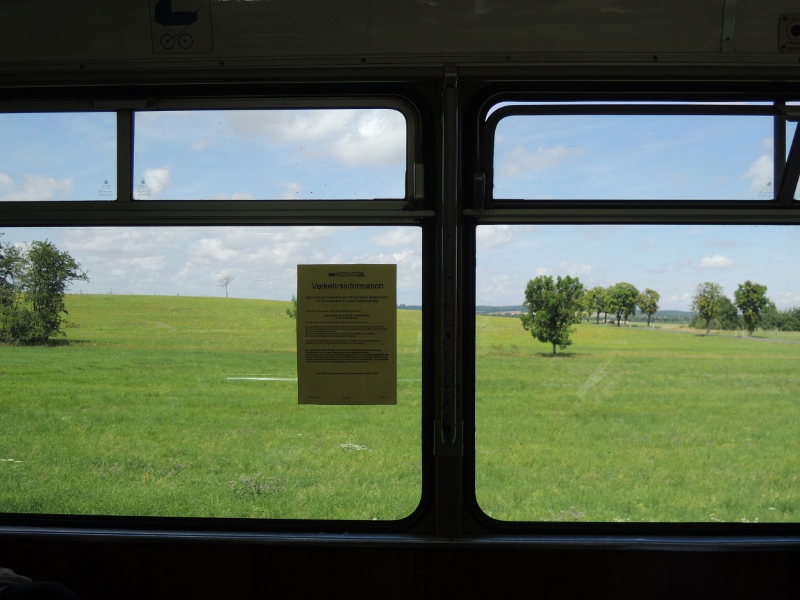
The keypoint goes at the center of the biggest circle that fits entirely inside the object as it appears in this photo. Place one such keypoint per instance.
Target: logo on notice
(346, 274)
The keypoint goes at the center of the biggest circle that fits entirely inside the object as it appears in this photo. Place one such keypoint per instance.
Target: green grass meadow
(140, 412)
(136, 415)
(631, 424)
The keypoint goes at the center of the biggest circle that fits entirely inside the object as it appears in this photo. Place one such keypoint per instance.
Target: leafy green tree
(707, 302)
(648, 303)
(34, 283)
(770, 317)
(728, 316)
(621, 300)
(751, 300)
(787, 320)
(9, 267)
(553, 308)
(595, 301)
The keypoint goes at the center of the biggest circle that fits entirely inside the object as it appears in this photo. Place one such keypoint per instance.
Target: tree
(292, 310)
(224, 281)
(9, 267)
(770, 317)
(707, 302)
(596, 301)
(553, 308)
(728, 316)
(621, 300)
(33, 283)
(751, 301)
(785, 320)
(648, 303)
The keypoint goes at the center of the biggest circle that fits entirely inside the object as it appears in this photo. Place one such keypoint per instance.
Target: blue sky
(683, 157)
(249, 154)
(671, 259)
(360, 154)
(57, 156)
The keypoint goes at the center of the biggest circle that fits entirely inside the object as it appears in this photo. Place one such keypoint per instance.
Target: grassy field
(141, 414)
(138, 415)
(631, 424)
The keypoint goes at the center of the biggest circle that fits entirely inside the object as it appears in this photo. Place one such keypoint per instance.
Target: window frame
(780, 114)
(126, 209)
(656, 103)
(448, 203)
(414, 210)
(480, 208)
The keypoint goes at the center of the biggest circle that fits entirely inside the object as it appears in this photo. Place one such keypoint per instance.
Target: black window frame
(451, 104)
(414, 210)
(786, 170)
(480, 208)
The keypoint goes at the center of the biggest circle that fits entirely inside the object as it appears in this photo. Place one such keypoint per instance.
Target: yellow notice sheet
(347, 334)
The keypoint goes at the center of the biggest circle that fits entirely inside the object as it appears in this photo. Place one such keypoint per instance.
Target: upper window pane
(634, 157)
(58, 156)
(276, 154)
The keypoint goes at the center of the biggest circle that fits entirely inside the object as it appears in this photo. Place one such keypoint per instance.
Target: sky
(652, 157)
(360, 154)
(670, 259)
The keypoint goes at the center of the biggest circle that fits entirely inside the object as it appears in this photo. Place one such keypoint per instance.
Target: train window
(671, 398)
(58, 156)
(271, 154)
(646, 152)
(175, 392)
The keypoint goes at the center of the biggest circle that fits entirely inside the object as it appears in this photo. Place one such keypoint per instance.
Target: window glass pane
(632, 422)
(175, 394)
(270, 154)
(634, 157)
(58, 156)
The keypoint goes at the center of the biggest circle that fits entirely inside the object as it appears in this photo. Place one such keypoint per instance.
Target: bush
(33, 283)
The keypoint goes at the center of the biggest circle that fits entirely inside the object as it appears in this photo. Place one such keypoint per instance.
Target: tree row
(555, 305)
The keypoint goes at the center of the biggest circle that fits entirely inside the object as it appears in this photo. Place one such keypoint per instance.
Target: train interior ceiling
(446, 66)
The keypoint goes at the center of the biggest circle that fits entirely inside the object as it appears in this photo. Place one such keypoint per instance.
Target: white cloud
(786, 300)
(153, 183)
(212, 250)
(150, 263)
(401, 256)
(498, 289)
(188, 260)
(678, 301)
(290, 191)
(201, 144)
(379, 137)
(488, 238)
(126, 242)
(576, 269)
(35, 187)
(400, 236)
(543, 271)
(353, 136)
(520, 160)
(760, 176)
(718, 261)
(722, 243)
(291, 125)
(236, 196)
